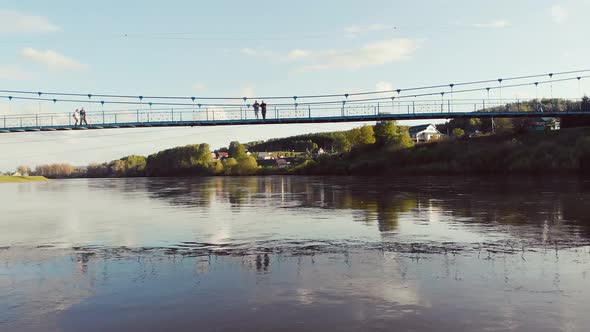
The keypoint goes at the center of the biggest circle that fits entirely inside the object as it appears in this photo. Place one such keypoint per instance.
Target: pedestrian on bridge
(263, 109)
(256, 106)
(83, 116)
(76, 115)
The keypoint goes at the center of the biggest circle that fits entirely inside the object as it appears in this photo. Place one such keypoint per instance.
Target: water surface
(294, 253)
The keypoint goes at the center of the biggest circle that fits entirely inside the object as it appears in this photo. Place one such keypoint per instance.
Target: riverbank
(564, 151)
(384, 152)
(20, 179)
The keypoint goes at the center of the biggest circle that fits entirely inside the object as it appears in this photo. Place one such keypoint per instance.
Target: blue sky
(237, 48)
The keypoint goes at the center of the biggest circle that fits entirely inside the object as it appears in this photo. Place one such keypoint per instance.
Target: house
(220, 155)
(317, 152)
(424, 133)
(265, 156)
(544, 123)
(282, 163)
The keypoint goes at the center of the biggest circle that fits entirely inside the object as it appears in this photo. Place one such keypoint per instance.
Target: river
(296, 253)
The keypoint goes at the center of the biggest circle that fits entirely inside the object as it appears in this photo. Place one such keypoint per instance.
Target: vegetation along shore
(459, 146)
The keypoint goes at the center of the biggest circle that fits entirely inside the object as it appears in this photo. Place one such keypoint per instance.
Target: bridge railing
(283, 112)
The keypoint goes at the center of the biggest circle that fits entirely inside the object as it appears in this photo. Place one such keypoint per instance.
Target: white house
(265, 156)
(424, 133)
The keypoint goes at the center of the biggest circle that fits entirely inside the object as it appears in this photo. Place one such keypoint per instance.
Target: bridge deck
(137, 119)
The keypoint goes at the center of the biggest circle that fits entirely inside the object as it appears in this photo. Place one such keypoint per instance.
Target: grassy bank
(562, 151)
(20, 179)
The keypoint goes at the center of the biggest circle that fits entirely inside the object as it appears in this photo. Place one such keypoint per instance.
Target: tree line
(198, 159)
(519, 125)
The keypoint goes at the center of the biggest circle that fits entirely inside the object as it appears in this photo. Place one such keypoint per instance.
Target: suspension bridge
(415, 103)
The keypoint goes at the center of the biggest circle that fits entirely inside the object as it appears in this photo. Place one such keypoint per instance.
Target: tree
(135, 165)
(54, 170)
(23, 170)
(503, 125)
(475, 124)
(236, 150)
(341, 143)
(189, 159)
(118, 167)
(228, 165)
(367, 135)
(388, 133)
(96, 170)
(585, 104)
(247, 165)
(458, 132)
(353, 137)
(385, 132)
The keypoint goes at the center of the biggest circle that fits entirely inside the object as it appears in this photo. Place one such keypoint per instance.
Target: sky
(252, 48)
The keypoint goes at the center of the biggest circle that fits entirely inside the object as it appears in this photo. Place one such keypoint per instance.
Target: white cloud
(493, 24)
(52, 59)
(383, 86)
(249, 51)
(558, 13)
(355, 30)
(13, 73)
(247, 91)
(199, 86)
(373, 54)
(15, 22)
(297, 54)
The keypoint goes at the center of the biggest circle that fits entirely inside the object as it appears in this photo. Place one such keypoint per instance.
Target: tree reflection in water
(541, 207)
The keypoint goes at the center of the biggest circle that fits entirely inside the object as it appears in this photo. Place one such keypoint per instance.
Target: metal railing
(284, 114)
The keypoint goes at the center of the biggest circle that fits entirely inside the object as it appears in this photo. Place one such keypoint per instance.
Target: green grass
(20, 179)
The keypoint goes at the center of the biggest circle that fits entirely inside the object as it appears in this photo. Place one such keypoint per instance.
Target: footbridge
(475, 99)
(275, 115)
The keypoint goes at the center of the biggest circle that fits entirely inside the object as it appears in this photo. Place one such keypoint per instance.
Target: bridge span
(171, 117)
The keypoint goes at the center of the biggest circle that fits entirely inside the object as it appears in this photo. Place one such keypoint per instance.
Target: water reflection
(544, 209)
(257, 253)
(344, 291)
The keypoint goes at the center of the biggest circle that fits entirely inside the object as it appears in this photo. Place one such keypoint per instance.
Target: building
(282, 163)
(424, 133)
(317, 152)
(220, 155)
(265, 156)
(544, 123)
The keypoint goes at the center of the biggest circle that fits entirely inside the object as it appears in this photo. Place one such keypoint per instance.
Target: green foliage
(20, 179)
(367, 135)
(185, 160)
(387, 133)
(216, 167)
(229, 165)
(458, 132)
(246, 166)
(134, 165)
(503, 125)
(341, 142)
(236, 150)
(475, 124)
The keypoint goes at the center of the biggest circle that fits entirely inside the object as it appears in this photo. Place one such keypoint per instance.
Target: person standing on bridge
(76, 116)
(256, 106)
(263, 109)
(83, 116)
